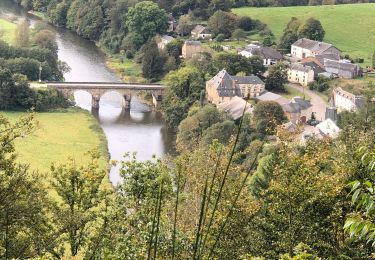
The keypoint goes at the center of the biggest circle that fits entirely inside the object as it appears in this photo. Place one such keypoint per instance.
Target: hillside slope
(350, 27)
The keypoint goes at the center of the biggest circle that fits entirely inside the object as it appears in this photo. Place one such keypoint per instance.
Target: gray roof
(200, 29)
(315, 46)
(197, 43)
(269, 96)
(226, 84)
(340, 65)
(315, 67)
(167, 38)
(330, 56)
(247, 79)
(264, 52)
(235, 107)
(300, 67)
(303, 103)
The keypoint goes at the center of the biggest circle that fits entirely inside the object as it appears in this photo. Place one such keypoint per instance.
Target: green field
(7, 30)
(350, 27)
(67, 133)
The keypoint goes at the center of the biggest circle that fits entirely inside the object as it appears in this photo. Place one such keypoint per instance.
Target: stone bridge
(98, 89)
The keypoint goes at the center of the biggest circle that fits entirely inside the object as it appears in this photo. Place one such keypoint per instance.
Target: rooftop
(300, 67)
(235, 107)
(315, 46)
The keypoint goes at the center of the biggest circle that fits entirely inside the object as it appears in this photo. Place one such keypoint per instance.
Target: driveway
(318, 104)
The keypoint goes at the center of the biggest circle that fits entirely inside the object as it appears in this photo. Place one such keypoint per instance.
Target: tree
(147, 19)
(79, 198)
(184, 24)
(277, 77)
(312, 29)
(24, 228)
(290, 35)
(46, 39)
(245, 23)
(222, 23)
(152, 60)
(22, 35)
(239, 34)
(235, 63)
(268, 115)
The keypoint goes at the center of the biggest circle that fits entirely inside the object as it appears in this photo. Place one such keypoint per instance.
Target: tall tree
(312, 29)
(147, 19)
(78, 200)
(277, 77)
(152, 60)
(222, 23)
(22, 34)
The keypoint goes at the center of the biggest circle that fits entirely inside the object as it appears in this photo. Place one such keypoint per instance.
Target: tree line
(230, 194)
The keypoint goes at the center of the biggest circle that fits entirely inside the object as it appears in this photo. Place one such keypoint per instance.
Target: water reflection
(139, 130)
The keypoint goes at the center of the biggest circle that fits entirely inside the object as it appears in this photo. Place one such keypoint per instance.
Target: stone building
(191, 48)
(304, 48)
(346, 101)
(223, 87)
(300, 73)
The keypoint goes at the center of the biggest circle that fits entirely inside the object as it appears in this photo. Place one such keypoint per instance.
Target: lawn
(127, 69)
(291, 93)
(62, 134)
(350, 27)
(7, 30)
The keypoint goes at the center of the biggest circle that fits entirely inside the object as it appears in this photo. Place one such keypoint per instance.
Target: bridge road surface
(105, 85)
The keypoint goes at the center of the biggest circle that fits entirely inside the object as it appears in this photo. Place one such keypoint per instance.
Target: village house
(236, 107)
(297, 109)
(303, 48)
(163, 40)
(223, 87)
(191, 48)
(328, 128)
(346, 101)
(342, 69)
(269, 55)
(301, 74)
(314, 64)
(200, 32)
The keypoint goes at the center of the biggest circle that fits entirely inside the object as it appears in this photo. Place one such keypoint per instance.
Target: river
(139, 130)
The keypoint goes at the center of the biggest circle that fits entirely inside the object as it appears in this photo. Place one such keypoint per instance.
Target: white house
(163, 41)
(346, 101)
(328, 128)
(303, 48)
(269, 55)
(301, 74)
(200, 32)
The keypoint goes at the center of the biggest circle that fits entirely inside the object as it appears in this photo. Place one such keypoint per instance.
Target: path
(318, 104)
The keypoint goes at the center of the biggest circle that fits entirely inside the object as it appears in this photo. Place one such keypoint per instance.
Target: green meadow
(7, 30)
(350, 27)
(61, 134)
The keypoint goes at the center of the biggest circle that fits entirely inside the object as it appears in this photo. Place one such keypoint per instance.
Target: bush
(220, 37)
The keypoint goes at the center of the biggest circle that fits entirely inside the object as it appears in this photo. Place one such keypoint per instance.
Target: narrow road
(318, 104)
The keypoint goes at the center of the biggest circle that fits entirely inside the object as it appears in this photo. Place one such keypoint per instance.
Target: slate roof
(303, 103)
(344, 66)
(357, 100)
(290, 106)
(264, 52)
(314, 66)
(314, 46)
(300, 67)
(269, 96)
(226, 84)
(198, 29)
(330, 56)
(167, 38)
(235, 107)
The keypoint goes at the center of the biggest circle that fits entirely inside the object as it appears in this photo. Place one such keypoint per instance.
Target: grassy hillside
(7, 30)
(350, 27)
(69, 133)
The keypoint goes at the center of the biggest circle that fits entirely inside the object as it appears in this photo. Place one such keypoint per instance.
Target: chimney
(331, 113)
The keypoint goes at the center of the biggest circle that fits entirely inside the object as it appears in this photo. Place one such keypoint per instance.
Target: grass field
(7, 30)
(67, 133)
(350, 27)
(127, 69)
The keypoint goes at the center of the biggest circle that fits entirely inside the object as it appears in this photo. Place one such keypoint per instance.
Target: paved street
(318, 104)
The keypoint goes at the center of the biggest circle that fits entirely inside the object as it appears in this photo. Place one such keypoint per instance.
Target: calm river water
(139, 130)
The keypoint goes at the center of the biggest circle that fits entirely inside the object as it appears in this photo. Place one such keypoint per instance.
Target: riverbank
(61, 134)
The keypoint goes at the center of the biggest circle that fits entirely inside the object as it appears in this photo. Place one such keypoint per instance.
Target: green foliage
(147, 19)
(152, 60)
(267, 115)
(235, 63)
(238, 34)
(277, 77)
(245, 23)
(46, 39)
(321, 84)
(312, 29)
(22, 35)
(79, 199)
(184, 88)
(222, 23)
(373, 60)
(23, 217)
